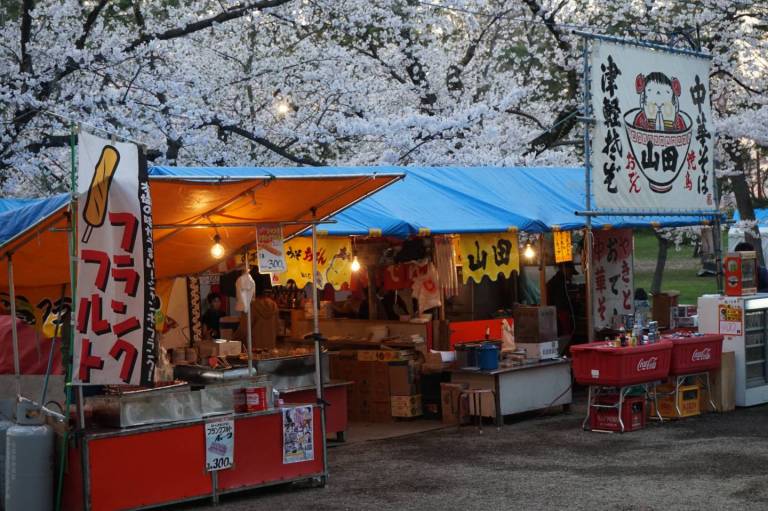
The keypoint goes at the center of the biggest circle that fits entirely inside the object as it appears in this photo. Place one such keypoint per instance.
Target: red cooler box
(695, 354)
(597, 363)
(607, 419)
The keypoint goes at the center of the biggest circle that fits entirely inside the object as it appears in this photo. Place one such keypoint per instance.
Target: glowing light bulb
(355, 264)
(217, 250)
(283, 107)
(529, 253)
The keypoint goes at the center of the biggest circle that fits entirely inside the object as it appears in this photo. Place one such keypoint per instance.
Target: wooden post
(542, 270)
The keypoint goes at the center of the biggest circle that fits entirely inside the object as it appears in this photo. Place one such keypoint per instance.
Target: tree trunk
(661, 261)
(746, 210)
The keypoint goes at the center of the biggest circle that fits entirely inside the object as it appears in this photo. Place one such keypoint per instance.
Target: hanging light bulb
(355, 264)
(217, 250)
(528, 252)
(283, 107)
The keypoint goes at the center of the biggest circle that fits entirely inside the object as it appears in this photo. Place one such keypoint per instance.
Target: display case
(743, 321)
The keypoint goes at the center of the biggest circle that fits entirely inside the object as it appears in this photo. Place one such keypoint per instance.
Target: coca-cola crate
(607, 419)
(597, 363)
(695, 354)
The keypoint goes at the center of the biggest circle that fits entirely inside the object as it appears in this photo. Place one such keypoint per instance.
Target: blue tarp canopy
(28, 212)
(761, 215)
(455, 200)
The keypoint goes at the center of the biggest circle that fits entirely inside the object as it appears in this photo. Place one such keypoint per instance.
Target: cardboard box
(455, 409)
(220, 349)
(665, 307)
(541, 350)
(384, 355)
(402, 378)
(723, 383)
(535, 324)
(406, 406)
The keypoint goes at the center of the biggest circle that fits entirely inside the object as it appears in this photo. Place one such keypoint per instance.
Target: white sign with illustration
(652, 146)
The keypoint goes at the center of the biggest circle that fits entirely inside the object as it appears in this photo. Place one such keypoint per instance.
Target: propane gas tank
(29, 468)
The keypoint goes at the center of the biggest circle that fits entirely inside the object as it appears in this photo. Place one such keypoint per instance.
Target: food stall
(170, 439)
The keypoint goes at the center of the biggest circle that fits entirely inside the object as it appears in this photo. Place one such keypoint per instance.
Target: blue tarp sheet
(267, 172)
(15, 221)
(482, 199)
(11, 204)
(761, 215)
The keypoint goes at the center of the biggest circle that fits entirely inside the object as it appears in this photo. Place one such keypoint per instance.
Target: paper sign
(115, 301)
(731, 316)
(219, 445)
(298, 444)
(269, 248)
(613, 284)
(563, 246)
(653, 135)
(488, 254)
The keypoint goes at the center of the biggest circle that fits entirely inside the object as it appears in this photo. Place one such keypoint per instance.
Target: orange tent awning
(186, 205)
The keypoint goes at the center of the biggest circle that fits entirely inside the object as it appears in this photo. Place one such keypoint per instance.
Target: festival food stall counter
(162, 464)
(520, 388)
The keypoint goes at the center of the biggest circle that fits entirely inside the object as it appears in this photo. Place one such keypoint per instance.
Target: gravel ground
(717, 461)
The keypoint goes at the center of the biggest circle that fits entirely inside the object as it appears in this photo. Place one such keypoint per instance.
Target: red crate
(607, 419)
(695, 354)
(597, 363)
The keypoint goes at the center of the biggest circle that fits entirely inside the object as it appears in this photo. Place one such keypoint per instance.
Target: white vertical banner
(613, 291)
(115, 301)
(653, 139)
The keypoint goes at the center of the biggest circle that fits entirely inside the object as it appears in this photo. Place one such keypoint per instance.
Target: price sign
(269, 248)
(731, 316)
(563, 246)
(219, 445)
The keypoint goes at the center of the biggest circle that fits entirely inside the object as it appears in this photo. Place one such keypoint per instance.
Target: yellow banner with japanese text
(334, 260)
(488, 255)
(563, 246)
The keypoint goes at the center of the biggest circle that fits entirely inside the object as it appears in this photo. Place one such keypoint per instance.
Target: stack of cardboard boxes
(385, 384)
(536, 331)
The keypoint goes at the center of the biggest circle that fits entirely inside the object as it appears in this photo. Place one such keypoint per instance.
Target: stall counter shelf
(520, 388)
(152, 466)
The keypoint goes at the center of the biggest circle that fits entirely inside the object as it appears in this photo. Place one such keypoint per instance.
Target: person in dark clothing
(762, 272)
(557, 295)
(212, 316)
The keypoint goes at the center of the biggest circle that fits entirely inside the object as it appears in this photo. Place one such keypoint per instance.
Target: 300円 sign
(219, 445)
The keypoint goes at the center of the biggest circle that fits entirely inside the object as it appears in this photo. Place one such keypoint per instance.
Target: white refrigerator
(743, 321)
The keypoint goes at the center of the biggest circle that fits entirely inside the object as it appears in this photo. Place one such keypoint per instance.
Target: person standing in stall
(557, 295)
(264, 317)
(212, 316)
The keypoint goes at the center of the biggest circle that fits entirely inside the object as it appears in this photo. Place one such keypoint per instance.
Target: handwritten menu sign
(334, 262)
(613, 278)
(563, 246)
(488, 255)
(730, 316)
(269, 248)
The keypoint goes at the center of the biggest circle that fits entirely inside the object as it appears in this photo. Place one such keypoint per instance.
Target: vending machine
(743, 321)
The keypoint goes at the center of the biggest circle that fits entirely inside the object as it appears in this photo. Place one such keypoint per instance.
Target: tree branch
(25, 62)
(739, 82)
(89, 22)
(265, 143)
(237, 12)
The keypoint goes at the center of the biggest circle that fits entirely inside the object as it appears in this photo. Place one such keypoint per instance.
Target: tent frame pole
(14, 329)
(249, 332)
(320, 391)
(587, 242)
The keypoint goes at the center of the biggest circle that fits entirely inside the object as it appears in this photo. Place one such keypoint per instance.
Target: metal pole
(56, 333)
(542, 272)
(588, 199)
(717, 232)
(14, 330)
(318, 353)
(249, 339)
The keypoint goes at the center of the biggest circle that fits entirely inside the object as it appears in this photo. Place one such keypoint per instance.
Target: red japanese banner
(613, 278)
(115, 301)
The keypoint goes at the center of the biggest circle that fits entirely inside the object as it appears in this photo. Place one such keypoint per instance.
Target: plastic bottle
(622, 337)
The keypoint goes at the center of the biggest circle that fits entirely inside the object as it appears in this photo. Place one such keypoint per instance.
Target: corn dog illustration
(95, 208)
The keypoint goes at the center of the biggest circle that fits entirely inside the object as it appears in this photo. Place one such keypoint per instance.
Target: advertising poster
(652, 146)
(115, 302)
(297, 434)
(334, 262)
(563, 246)
(613, 285)
(269, 248)
(488, 255)
(730, 314)
(219, 445)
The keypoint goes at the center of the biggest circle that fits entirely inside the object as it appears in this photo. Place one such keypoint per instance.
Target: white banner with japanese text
(115, 301)
(613, 294)
(652, 146)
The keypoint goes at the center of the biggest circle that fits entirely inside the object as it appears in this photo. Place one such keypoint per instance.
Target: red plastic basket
(695, 354)
(598, 364)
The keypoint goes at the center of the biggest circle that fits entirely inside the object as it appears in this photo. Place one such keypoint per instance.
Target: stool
(476, 395)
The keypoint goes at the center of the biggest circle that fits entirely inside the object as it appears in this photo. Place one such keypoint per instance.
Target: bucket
(488, 356)
(255, 399)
